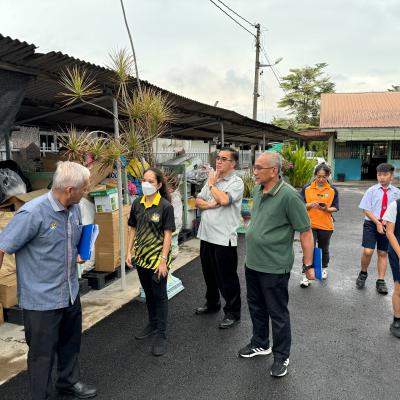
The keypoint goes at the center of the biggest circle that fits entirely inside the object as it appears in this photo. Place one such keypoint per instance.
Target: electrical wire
(233, 19)
(230, 9)
(275, 73)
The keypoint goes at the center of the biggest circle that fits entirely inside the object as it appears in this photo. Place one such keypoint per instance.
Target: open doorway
(372, 154)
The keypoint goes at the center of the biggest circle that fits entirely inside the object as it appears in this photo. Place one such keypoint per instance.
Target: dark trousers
(268, 297)
(323, 238)
(156, 299)
(219, 264)
(50, 333)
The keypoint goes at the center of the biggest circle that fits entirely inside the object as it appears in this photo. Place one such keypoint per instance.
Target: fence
(244, 157)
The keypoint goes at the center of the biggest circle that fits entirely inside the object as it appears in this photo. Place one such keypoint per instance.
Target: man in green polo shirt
(277, 213)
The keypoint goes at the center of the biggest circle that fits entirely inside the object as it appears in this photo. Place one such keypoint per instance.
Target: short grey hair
(276, 161)
(69, 174)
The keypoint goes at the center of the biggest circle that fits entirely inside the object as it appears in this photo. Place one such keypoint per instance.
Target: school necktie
(384, 202)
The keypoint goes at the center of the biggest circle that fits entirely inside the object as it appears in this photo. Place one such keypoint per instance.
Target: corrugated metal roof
(43, 96)
(315, 134)
(360, 110)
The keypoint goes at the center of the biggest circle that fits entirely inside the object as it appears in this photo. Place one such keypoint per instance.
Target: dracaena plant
(143, 116)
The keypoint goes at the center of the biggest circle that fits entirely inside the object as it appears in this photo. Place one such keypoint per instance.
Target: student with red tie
(374, 204)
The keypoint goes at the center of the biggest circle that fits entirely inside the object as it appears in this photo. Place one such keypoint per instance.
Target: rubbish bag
(11, 184)
(10, 164)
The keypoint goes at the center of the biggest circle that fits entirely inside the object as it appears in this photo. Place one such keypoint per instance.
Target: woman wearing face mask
(321, 200)
(150, 227)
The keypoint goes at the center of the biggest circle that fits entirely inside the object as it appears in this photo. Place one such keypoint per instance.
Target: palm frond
(121, 63)
(76, 144)
(78, 85)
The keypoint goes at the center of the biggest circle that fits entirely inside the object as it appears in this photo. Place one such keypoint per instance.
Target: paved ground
(342, 348)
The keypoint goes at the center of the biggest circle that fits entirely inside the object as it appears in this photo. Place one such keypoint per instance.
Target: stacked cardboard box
(107, 249)
(8, 290)
(8, 278)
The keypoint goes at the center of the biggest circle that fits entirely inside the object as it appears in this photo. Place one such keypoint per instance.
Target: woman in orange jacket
(322, 199)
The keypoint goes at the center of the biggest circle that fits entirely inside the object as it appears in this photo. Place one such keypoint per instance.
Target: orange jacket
(328, 195)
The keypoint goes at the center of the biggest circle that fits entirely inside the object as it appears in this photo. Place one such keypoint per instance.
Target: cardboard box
(105, 200)
(98, 173)
(110, 183)
(107, 249)
(8, 291)
(21, 199)
(8, 267)
(1, 314)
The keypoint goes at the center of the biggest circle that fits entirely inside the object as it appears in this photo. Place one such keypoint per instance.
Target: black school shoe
(207, 310)
(227, 323)
(360, 282)
(395, 328)
(381, 287)
(148, 330)
(79, 390)
(159, 345)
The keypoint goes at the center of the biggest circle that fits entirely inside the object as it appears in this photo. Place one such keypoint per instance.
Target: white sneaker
(304, 281)
(324, 273)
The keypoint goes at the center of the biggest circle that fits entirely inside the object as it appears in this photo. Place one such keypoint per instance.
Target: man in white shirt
(220, 204)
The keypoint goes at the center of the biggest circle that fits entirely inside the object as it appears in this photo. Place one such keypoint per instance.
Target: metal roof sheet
(42, 96)
(360, 110)
(315, 134)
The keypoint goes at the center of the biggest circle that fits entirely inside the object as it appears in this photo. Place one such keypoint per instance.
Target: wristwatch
(306, 267)
(164, 258)
(211, 186)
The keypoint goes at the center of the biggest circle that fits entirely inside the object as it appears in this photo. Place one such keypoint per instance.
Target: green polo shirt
(275, 217)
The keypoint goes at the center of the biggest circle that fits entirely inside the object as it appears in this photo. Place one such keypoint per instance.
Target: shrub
(302, 168)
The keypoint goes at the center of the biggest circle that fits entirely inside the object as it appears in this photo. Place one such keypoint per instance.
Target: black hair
(234, 153)
(323, 167)
(164, 192)
(385, 167)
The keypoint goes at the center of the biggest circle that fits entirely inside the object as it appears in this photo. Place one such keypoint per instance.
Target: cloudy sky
(191, 48)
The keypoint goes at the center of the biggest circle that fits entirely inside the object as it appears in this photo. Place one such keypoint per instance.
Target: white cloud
(191, 48)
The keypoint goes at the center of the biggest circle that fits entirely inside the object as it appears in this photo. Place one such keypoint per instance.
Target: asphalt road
(342, 348)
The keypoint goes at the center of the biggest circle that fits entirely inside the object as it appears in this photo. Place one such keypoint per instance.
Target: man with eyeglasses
(278, 211)
(220, 204)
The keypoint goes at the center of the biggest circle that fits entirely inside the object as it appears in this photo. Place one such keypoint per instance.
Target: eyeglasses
(258, 168)
(223, 159)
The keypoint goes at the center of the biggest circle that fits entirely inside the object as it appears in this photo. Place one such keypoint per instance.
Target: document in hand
(88, 238)
(317, 263)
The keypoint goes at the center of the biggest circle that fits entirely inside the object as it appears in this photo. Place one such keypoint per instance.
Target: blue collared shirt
(44, 236)
(372, 199)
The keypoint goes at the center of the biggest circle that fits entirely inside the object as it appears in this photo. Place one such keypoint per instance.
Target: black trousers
(50, 333)
(323, 238)
(219, 264)
(268, 297)
(156, 299)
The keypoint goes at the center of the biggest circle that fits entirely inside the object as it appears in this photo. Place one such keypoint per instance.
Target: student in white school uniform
(392, 220)
(374, 204)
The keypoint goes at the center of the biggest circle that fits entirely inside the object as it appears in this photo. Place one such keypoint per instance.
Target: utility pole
(257, 71)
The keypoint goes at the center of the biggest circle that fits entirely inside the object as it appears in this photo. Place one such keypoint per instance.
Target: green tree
(290, 123)
(303, 88)
(394, 88)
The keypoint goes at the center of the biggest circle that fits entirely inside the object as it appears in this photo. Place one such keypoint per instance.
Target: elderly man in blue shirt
(44, 235)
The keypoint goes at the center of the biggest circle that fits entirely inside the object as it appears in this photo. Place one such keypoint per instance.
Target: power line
(230, 9)
(276, 75)
(233, 19)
